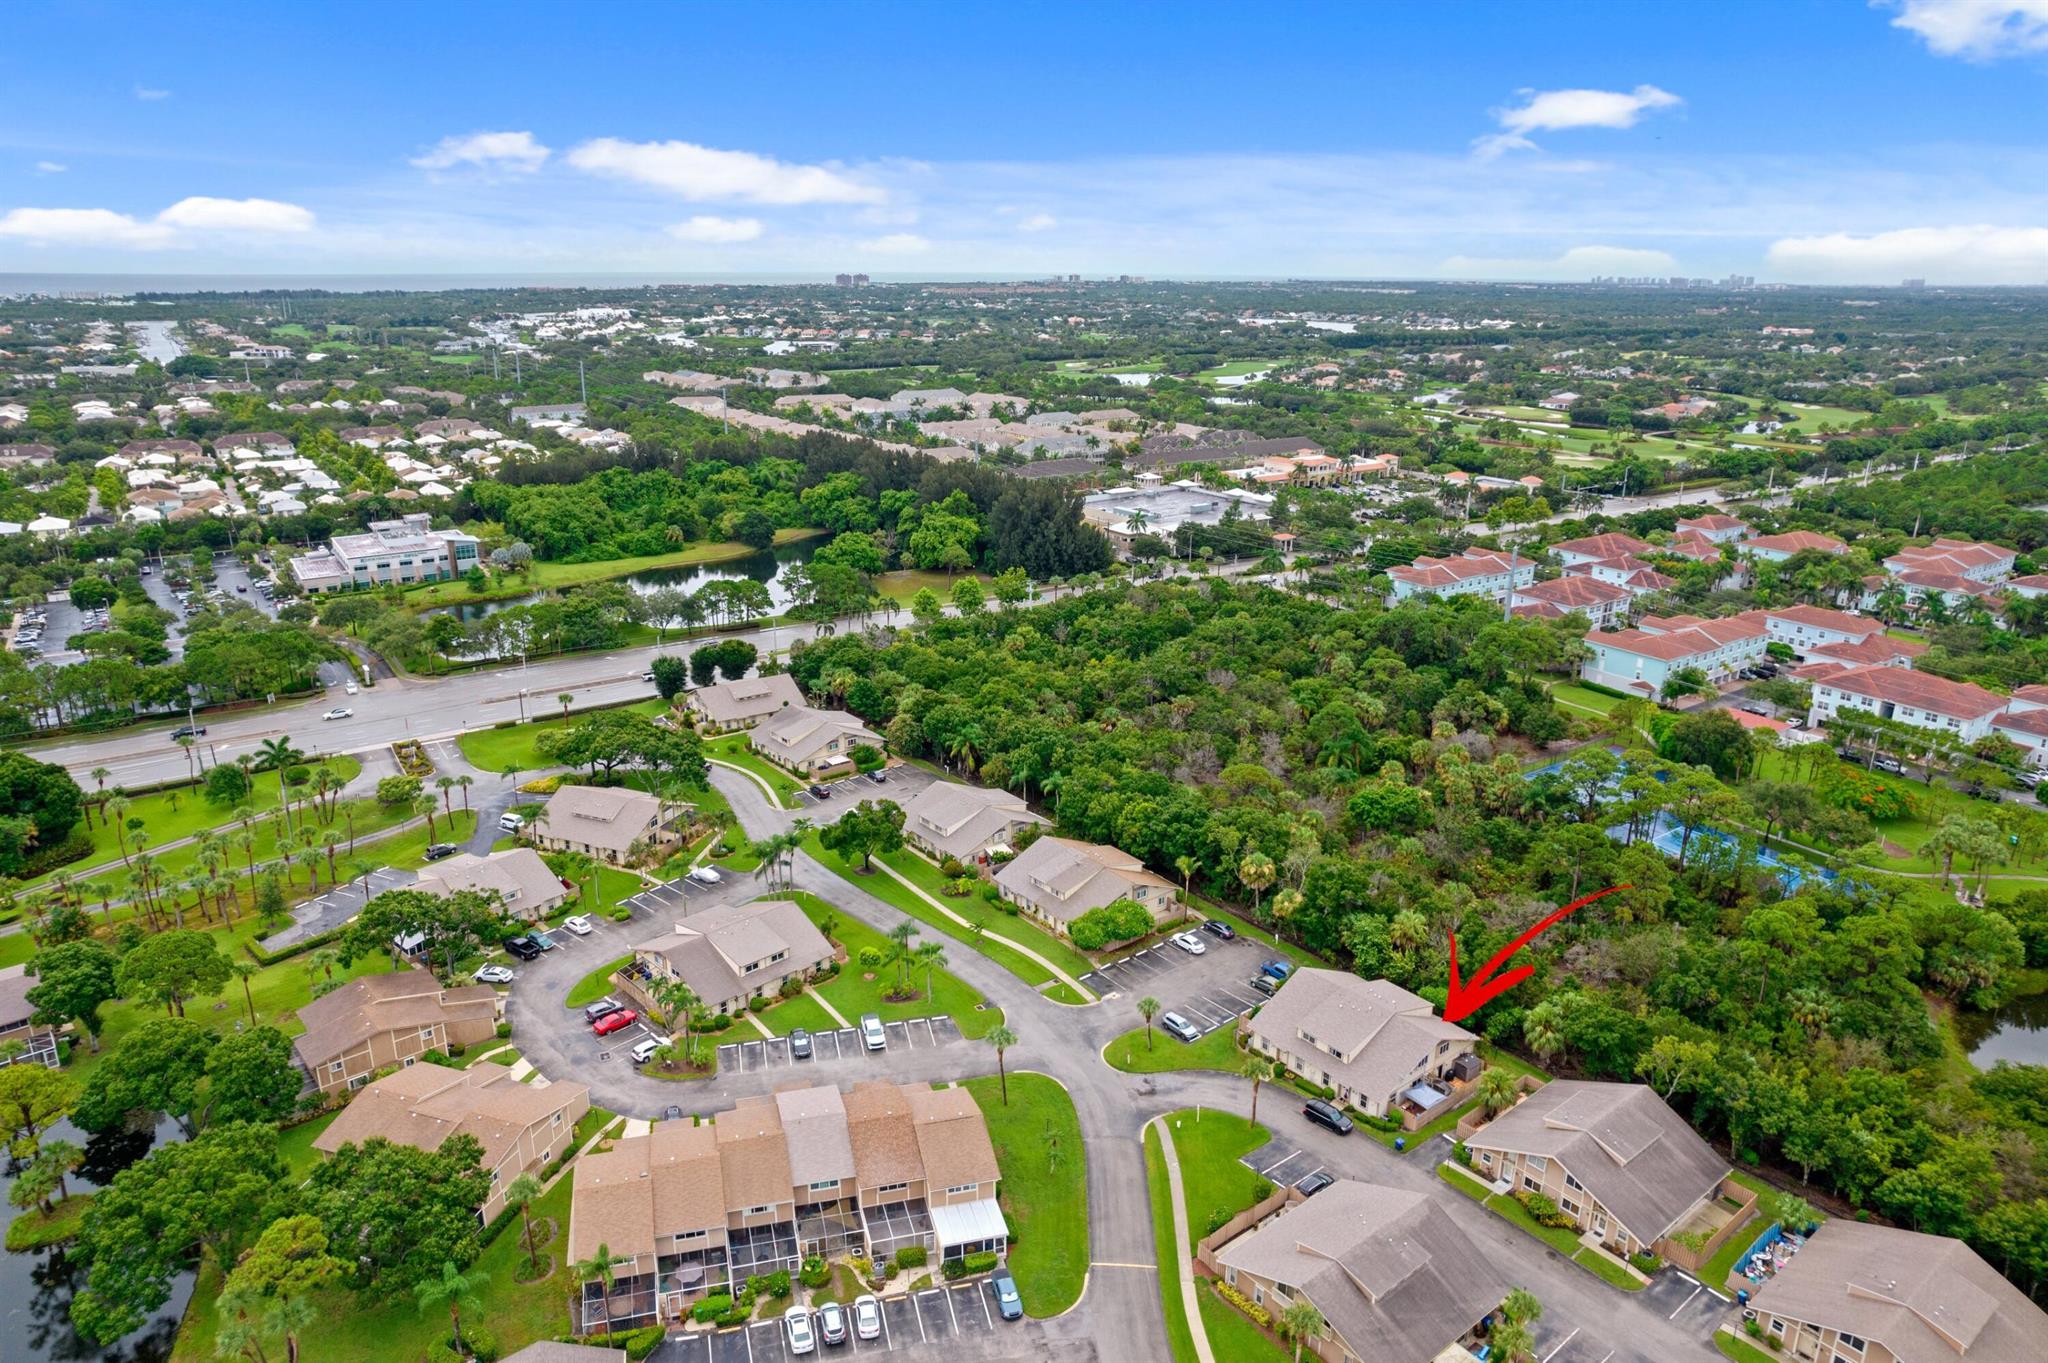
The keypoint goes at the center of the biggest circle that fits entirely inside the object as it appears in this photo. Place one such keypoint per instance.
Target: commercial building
(1161, 509)
(405, 550)
(695, 1209)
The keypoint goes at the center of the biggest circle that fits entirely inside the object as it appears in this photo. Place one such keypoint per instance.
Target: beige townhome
(1395, 1280)
(1858, 1293)
(947, 819)
(1383, 1049)
(379, 1021)
(693, 1209)
(521, 1127)
(1056, 880)
(812, 742)
(729, 954)
(520, 879)
(17, 1020)
(742, 704)
(1613, 1157)
(605, 822)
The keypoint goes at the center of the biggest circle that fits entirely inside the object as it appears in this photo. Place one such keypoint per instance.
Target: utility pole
(494, 367)
(518, 382)
(582, 383)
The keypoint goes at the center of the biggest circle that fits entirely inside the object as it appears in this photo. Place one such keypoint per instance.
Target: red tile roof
(1819, 617)
(1712, 522)
(1602, 546)
(2025, 721)
(1574, 593)
(1901, 686)
(1796, 541)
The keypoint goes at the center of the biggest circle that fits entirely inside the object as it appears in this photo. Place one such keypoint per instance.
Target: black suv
(525, 948)
(188, 731)
(1326, 1115)
(1216, 927)
(439, 850)
(799, 1044)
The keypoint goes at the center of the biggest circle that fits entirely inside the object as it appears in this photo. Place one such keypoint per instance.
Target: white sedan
(1188, 942)
(704, 875)
(493, 974)
(796, 1322)
(578, 925)
(338, 712)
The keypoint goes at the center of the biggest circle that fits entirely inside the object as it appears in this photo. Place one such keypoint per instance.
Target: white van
(645, 1047)
(510, 823)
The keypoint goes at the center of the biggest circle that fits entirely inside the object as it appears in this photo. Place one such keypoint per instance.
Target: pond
(36, 1288)
(764, 565)
(2017, 1032)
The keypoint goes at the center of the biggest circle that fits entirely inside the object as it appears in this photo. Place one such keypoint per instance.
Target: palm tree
(423, 807)
(565, 697)
(1002, 1038)
(278, 753)
(1497, 1089)
(444, 784)
(1187, 866)
(598, 1269)
(1522, 1306)
(1512, 1341)
(1257, 872)
(1258, 1069)
(242, 970)
(520, 1194)
(1407, 931)
(1299, 1323)
(1148, 1008)
(457, 1290)
(900, 938)
(932, 956)
(465, 782)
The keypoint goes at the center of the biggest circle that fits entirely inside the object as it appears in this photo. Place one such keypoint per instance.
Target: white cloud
(1038, 222)
(236, 215)
(897, 244)
(1580, 262)
(144, 92)
(1974, 254)
(1979, 30)
(82, 227)
(518, 151)
(717, 231)
(50, 168)
(1558, 110)
(706, 173)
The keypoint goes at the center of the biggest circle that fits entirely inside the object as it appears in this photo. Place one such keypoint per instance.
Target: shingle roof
(1064, 878)
(952, 1138)
(814, 1121)
(1921, 1296)
(1633, 1153)
(1392, 1274)
(517, 874)
(798, 732)
(961, 820)
(669, 1178)
(748, 699)
(884, 1140)
(600, 816)
(375, 1004)
(753, 1155)
(1377, 1030)
(423, 1105)
(711, 950)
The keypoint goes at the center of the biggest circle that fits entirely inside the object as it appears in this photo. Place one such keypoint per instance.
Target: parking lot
(1211, 990)
(338, 905)
(830, 1048)
(670, 898)
(1283, 1161)
(949, 1321)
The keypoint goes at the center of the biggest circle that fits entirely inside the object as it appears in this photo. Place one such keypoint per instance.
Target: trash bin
(1400, 1142)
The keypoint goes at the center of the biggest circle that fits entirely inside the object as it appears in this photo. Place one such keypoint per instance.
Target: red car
(612, 1022)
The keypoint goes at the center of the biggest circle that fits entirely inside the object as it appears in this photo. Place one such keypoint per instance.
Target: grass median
(1044, 1165)
(1156, 1052)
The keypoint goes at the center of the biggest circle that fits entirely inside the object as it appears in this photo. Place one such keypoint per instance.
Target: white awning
(969, 1223)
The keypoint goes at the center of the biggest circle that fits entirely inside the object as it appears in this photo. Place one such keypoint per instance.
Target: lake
(764, 565)
(2017, 1032)
(36, 1288)
(155, 341)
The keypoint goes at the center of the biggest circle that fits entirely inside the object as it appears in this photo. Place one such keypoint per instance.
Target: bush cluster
(1258, 1315)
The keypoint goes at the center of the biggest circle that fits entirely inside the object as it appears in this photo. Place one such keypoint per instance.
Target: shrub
(1262, 1188)
(911, 1256)
(644, 1341)
(1461, 1154)
(718, 1022)
(790, 987)
(711, 1308)
(984, 1262)
(952, 868)
(1774, 1343)
(816, 1272)
(504, 1030)
(1118, 921)
(954, 1270)
(1755, 1330)
(483, 1345)
(441, 1351)
(774, 1284)
(1543, 1211)
(1645, 1263)
(1258, 1315)
(870, 958)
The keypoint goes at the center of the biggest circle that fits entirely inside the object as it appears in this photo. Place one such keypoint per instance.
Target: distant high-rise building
(844, 281)
(1913, 284)
(860, 281)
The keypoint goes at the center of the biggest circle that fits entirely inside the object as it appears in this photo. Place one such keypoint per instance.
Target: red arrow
(1468, 997)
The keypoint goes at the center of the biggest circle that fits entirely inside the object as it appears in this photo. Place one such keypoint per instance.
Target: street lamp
(522, 705)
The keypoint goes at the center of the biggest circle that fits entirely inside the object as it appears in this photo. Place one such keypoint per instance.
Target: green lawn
(408, 850)
(1574, 697)
(1209, 1144)
(852, 994)
(1605, 1268)
(296, 1144)
(511, 748)
(1044, 1165)
(1135, 1053)
(1231, 1335)
(736, 750)
(1564, 1241)
(384, 1329)
(802, 1011)
(541, 576)
(1167, 1251)
(596, 984)
(596, 895)
(182, 812)
(1019, 929)
(32, 1230)
(1741, 1350)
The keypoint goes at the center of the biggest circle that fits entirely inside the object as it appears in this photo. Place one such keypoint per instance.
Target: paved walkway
(1064, 978)
(1184, 1260)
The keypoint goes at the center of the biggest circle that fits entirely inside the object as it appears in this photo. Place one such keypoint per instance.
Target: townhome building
(608, 822)
(1476, 572)
(1970, 559)
(1595, 548)
(741, 704)
(948, 819)
(812, 742)
(1926, 702)
(1778, 548)
(521, 1127)
(519, 879)
(1807, 629)
(694, 1209)
(38, 1041)
(1644, 660)
(1613, 1157)
(381, 1021)
(1863, 1293)
(1056, 880)
(1718, 528)
(1603, 603)
(1383, 1049)
(731, 954)
(1636, 576)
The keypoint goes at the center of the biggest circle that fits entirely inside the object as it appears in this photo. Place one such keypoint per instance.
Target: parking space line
(915, 1311)
(951, 1312)
(748, 1336)
(1268, 1170)
(1560, 1346)
(986, 1319)
(1696, 1289)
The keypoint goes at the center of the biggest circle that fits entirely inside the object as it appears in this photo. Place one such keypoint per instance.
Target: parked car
(1314, 1183)
(601, 1008)
(542, 940)
(1326, 1115)
(867, 1316)
(819, 792)
(577, 924)
(1278, 969)
(832, 1323)
(1008, 1303)
(1216, 927)
(1188, 942)
(872, 1034)
(525, 948)
(1890, 765)
(437, 850)
(510, 823)
(1266, 985)
(350, 687)
(799, 1044)
(1176, 1025)
(1756, 710)
(338, 712)
(879, 777)
(704, 875)
(646, 1046)
(189, 731)
(614, 1022)
(493, 974)
(796, 1323)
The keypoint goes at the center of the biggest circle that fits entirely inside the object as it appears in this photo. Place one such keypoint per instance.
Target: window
(691, 1235)
(1567, 1206)
(1539, 1162)
(1573, 1183)
(962, 1188)
(1777, 1327)
(1258, 1295)
(557, 1120)
(758, 1211)
(1852, 1343)
(1486, 1158)
(427, 1035)
(892, 1187)
(824, 1185)
(1533, 1185)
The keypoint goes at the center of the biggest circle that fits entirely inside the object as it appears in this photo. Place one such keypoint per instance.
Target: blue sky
(1806, 140)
